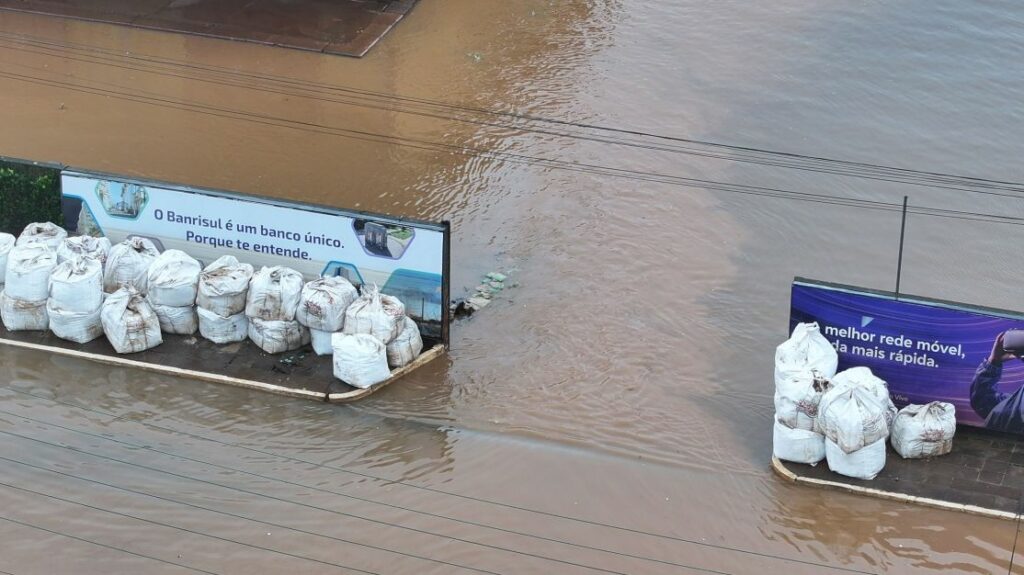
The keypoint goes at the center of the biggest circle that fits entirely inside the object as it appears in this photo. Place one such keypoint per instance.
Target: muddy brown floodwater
(612, 413)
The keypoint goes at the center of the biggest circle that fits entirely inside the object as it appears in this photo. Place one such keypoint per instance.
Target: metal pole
(899, 264)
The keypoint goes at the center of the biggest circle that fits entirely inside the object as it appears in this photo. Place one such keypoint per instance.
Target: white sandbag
(862, 376)
(84, 246)
(128, 263)
(77, 285)
(321, 341)
(277, 336)
(805, 349)
(23, 315)
(921, 431)
(797, 445)
(6, 243)
(79, 327)
(852, 416)
(223, 286)
(222, 329)
(28, 272)
(375, 314)
(360, 360)
(797, 396)
(865, 463)
(172, 279)
(49, 234)
(274, 294)
(129, 321)
(407, 346)
(323, 302)
(181, 320)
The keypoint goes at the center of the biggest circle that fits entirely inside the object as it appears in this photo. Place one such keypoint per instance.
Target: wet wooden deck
(299, 373)
(344, 27)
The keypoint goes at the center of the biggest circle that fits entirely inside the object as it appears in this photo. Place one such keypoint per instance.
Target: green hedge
(28, 194)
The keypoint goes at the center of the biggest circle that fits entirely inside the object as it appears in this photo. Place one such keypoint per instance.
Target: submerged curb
(784, 472)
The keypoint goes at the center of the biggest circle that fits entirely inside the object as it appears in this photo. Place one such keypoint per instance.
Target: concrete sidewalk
(344, 27)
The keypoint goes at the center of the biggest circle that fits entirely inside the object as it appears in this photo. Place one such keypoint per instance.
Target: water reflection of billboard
(383, 240)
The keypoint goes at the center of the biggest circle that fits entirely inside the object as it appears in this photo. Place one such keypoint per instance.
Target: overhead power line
(521, 122)
(159, 100)
(100, 544)
(329, 510)
(393, 481)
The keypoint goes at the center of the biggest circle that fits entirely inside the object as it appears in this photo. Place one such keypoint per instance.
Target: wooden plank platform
(343, 27)
(300, 373)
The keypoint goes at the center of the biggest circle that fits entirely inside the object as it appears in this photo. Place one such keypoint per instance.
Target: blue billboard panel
(925, 350)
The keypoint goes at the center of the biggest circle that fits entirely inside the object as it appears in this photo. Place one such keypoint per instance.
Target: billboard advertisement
(405, 259)
(926, 350)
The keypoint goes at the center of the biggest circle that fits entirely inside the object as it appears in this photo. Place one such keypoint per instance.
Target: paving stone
(984, 469)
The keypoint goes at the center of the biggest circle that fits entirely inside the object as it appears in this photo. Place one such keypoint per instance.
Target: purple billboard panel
(926, 350)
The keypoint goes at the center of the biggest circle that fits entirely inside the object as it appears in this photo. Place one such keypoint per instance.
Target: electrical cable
(443, 492)
(870, 171)
(184, 529)
(326, 510)
(512, 158)
(353, 497)
(104, 545)
(687, 151)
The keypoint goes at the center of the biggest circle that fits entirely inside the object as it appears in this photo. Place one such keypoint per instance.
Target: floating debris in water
(492, 283)
(478, 302)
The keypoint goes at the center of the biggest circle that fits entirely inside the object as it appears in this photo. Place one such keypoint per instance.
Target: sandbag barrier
(846, 418)
(82, 287)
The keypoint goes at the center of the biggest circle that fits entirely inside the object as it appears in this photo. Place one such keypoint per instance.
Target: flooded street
(612, 412)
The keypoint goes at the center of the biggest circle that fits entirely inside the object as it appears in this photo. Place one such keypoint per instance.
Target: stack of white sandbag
(87, 246)
(360, 360)
(372, 323)
(76, 298)
(803, 365)
(407, 346)
(321, 308)
(6, 243)
(26, 288)
(129, 321)
(375, 314)
(854, 416)
(172, 281)
(862, 376)
(223, 287)
(921, 431)
(127, 264)
(46, 233)
(270, 306)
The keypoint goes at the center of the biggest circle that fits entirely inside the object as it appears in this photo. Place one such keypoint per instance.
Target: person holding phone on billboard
(1002, 412)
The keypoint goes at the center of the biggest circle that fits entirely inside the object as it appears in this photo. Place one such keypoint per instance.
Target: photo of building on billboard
(122, 200)
(381, 239)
